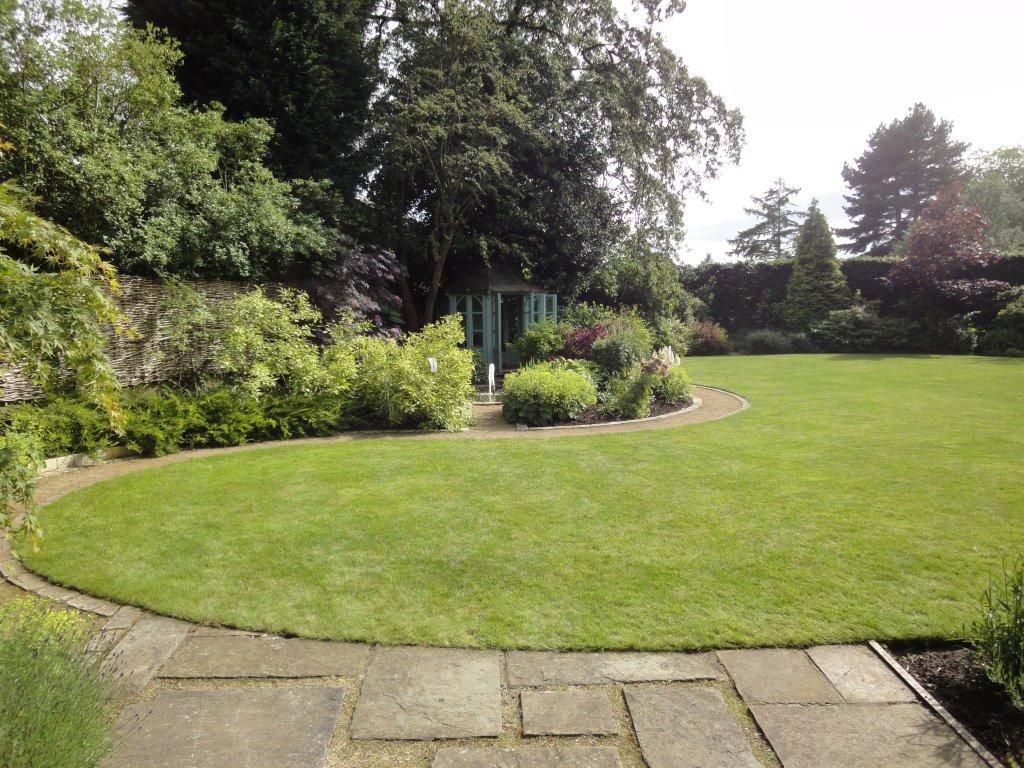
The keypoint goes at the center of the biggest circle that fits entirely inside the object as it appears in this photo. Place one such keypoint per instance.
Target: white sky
(814, 78)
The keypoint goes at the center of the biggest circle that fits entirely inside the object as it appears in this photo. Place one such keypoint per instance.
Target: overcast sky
(814, 78)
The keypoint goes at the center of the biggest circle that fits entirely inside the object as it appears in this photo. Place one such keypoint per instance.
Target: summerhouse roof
(492, 279)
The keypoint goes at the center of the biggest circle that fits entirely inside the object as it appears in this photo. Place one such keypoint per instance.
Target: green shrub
(393, 382)
(21, 457)
(545, 393)
(1006, 336)
(672, 332)
(998, 636)
(862, 329)
(628, 341)
(289, 415)
(586, 314)
(541, 341)
(224, 416)
(709, 339)
(675, 386)
(55, 707)
(156, 420)
(772, 342)
(629, 395)
(62, 425)
(265, 343)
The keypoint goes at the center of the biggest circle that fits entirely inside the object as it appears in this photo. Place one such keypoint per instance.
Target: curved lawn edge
(667, 540)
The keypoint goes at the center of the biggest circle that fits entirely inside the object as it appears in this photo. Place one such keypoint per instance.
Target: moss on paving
(859, 497)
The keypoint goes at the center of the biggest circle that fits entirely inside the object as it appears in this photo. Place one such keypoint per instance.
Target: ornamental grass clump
(55, 704)
(998, 636)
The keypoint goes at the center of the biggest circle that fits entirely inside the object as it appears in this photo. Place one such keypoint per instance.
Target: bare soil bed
(954, 676)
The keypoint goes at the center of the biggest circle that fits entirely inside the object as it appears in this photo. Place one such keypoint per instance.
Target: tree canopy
(996, 188)
(304, 66)
(817, 285)
(778, 220)
(906, 164)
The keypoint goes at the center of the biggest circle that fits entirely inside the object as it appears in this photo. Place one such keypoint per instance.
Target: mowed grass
(859, 497)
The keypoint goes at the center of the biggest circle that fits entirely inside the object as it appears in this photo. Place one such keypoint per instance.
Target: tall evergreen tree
(302, 64)
(905, 165)
(771, 238)
(817, 285)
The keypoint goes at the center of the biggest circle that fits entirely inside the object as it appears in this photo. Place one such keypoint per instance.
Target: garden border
(932, 703)
(693, 406)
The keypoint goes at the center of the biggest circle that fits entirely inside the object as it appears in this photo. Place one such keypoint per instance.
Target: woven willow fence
(142, 358)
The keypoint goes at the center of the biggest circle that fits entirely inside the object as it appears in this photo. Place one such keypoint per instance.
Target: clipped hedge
(743, 295)
(542, 394)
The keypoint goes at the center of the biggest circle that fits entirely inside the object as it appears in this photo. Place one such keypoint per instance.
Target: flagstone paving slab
(859, 675)
(135, 660)
(527, 757)
(862, 736)
(778, 676)
(429, 693)
(568, 713)
(688, 727)
(252, 727)
(227, 656)
(540, 668)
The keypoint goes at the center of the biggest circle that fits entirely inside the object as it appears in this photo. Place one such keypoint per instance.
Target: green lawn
(859, 497)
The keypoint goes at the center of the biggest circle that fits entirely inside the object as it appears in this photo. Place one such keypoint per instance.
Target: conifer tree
(906, 164)
(817, 285)
(771, 238)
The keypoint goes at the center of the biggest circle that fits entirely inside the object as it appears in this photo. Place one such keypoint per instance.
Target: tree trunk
(435, 279)
(412, 320)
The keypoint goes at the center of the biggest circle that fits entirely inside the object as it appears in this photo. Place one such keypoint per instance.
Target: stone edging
(934, 705)
(74, 460)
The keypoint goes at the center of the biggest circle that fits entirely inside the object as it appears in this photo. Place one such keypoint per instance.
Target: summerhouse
(496, 305)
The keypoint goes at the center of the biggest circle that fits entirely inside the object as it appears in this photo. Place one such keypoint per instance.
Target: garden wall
(141, 358)
(745, 296)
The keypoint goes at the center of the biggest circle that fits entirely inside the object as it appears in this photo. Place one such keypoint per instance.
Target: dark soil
(593, 415)
(954, 676)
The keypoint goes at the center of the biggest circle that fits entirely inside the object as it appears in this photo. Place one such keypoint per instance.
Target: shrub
(541, 341)
(584, 314)
(629, 395)
(629, 341)
(861, 329)
(224, 416)
(772, 342)
(393, 382)
(579, 341)
(156, 421)
(672, 332)
(1006, 336)
(709, 339)
(21, 457)
(998, 636)
(54, 701)
(62, 425)
(542, 394)
(675, 386)
(288, 415)
(263, 343)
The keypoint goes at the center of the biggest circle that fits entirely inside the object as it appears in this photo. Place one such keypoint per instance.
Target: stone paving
(200, 697)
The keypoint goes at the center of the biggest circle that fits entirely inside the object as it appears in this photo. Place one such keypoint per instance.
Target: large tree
(945, 247)
(778, 220)
(905, 165)
(101, 138)
(464, 123)
(996, 188)
(302, 64)
(817, 285)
